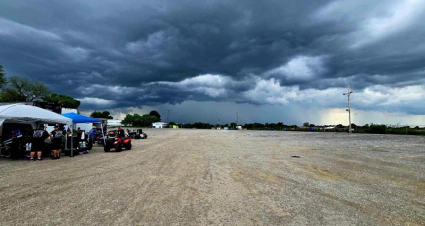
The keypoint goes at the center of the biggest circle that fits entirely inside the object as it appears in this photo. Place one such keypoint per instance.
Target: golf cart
(117, 139)
(137, 134)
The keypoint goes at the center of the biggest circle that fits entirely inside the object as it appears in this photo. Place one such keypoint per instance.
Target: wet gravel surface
(209, 177)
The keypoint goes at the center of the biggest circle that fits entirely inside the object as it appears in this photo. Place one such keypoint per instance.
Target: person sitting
(38, 138)
(120, 132)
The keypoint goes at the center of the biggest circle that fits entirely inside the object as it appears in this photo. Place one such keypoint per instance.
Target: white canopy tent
(26, 114)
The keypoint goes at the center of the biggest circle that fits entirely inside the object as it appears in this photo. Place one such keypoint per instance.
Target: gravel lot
(210, 177)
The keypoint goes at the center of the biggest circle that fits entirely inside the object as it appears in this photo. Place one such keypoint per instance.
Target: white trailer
(159, 125)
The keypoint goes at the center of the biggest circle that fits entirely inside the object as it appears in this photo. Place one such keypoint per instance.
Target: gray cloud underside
(115, 54)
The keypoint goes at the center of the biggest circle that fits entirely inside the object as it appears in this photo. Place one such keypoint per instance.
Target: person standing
(78, 138)
(56, 142)
(38, 138)
(92, 133)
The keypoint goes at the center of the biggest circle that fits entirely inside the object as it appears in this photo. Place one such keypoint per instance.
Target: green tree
(23, 89)
(103, 114)
(147, 120)
(156, 114)
(306, 124)
(375, 128)
(10, 95)
(64, 100)
(172, 123)
(3, 80)
(107, 114)
(281, 125)
(128, 120)
(96, 114)
(139, 120)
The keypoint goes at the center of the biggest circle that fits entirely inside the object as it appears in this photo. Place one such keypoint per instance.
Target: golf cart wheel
(106, 148)
(128, 146)
(118, 148)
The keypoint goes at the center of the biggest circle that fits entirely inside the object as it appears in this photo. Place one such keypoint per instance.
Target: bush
(375, 128)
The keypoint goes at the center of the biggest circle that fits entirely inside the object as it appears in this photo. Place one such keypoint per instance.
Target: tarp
(19, 113)
(76, 118)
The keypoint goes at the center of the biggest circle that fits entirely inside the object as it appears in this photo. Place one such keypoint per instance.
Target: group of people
(56, 136)
(38, 142)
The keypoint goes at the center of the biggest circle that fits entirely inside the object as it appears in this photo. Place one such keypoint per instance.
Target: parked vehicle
(137, 134)
(142, 134)
(98, 137)
(117, 139)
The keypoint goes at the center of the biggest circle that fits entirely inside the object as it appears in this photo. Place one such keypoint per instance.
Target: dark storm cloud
(114, 54)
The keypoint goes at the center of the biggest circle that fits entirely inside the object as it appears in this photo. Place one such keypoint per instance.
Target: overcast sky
(271, 61)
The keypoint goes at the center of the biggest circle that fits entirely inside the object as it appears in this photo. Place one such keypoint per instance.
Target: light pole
(348, 94)
(168, 116)
(237, 119)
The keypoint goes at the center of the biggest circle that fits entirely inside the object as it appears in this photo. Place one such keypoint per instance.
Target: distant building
(159, 125)
(114, 122)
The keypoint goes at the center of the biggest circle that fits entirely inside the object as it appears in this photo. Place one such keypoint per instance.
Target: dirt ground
(210, 177)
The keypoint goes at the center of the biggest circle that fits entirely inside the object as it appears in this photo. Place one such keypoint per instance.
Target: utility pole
(348, 94)
(237, 118)
(168, 116)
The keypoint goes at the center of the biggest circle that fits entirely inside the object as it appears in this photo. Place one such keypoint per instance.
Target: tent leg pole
(72, 142)
(103, 135)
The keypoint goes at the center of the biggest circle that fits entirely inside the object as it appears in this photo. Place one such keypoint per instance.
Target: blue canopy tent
(76, 118)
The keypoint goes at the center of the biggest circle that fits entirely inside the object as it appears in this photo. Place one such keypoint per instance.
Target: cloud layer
(130, 54)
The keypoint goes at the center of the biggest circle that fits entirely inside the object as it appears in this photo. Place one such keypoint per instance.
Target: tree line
(21, 89)
(145, 120)
(101, 114)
